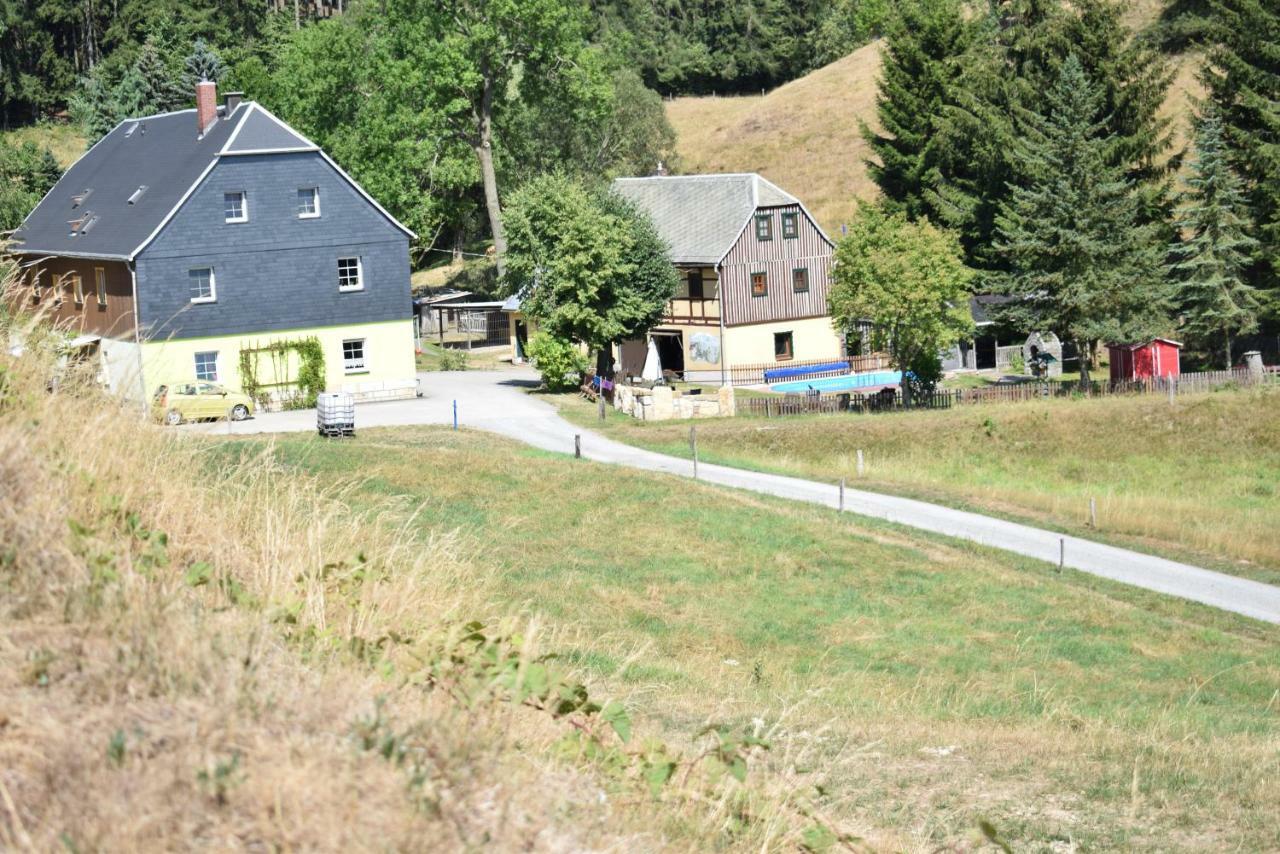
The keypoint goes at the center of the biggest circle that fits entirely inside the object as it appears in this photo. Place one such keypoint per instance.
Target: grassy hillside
(197, 652)
(802, 136)
(268, 644)
(805, 137)
(1196, 480)
(65, 139)
(908, 684)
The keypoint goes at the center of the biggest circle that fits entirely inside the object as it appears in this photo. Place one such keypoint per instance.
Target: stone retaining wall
(661, 403)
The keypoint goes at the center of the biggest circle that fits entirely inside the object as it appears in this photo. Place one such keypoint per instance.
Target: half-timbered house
(754, 268)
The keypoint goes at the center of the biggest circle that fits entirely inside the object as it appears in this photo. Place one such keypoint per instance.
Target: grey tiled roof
(262, 131)
(700, 216)
(164, 153)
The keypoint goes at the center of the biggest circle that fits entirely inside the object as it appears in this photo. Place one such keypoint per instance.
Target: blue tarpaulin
(783, 373)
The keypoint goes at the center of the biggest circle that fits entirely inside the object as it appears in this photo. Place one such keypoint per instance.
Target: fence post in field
(1062, 553)
(1093, 513)
(577, 446)
(859, 464)
(693, 448)
(1172, 389)
(455, 415)
(841, 495)
(600, 400)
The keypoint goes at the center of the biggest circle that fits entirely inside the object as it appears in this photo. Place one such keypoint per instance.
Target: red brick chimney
(206, 105)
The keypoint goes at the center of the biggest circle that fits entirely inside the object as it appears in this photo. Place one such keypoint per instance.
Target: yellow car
(193, 401)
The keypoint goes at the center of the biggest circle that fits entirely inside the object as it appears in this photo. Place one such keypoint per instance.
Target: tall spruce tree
(1015, 56)
(1081, 264)
(921, 63)
(1214, 299)
(1243, 78)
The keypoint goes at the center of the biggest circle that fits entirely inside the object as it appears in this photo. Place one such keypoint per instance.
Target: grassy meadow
(209, 650)
(911, 686)
(1198, 480)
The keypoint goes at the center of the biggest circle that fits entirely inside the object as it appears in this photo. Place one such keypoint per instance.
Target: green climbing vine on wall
(309, 381)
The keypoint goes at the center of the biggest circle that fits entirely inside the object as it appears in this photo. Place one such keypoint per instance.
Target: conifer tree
(161, 89)
(1015, 56)
(203, 63)
(1080, 262)
(921, 63)
(1243, 78)
(1215, 301)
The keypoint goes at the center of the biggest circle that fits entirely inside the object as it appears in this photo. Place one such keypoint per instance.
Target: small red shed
(1159, 357)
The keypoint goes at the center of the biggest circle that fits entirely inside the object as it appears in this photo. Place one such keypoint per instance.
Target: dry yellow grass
(200, 652)
(802, 136)
(805, 136)
(65, 139)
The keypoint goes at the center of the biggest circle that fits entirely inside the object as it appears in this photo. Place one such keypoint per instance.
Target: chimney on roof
(230, 101)
(206, 105)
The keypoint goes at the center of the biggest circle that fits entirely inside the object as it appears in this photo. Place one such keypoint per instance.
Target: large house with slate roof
(181, 241)
(754, 275)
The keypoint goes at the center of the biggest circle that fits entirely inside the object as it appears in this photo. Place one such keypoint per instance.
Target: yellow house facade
(372, 361)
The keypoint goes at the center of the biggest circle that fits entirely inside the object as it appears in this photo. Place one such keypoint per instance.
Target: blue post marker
(455, 415)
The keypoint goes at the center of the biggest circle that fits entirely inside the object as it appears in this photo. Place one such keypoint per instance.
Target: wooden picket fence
(889, 400)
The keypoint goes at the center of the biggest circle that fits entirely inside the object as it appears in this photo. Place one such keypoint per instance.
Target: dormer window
(235, 206)
(137, 194)
(308, 202)
(790, 226)
(764, 227)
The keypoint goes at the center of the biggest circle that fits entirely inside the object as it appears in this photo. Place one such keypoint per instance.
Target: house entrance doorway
(671, 351)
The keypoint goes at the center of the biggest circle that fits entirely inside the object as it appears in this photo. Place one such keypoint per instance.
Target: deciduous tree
(587, 267)
(908, 279)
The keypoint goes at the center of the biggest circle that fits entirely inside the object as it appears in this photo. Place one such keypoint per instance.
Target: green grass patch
(1195, 481)
(939, 681)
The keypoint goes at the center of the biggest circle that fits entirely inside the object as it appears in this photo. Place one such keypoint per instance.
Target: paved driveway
(497, 401)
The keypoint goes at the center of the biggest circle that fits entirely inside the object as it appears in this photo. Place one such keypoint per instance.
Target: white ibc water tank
(335, 413)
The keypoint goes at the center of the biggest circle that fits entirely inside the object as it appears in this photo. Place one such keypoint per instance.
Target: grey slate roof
(162, 152)
(165, 154)
(700, 216)
(262, 131)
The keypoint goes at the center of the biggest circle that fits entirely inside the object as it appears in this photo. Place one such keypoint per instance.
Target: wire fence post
(1093, 513)
(577, 446)
(1062, 553)
(859, 464)
(600, 401)
(841, 495)
(455, 415)
(693, 448)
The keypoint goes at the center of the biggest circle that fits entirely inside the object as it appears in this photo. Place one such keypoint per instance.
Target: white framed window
(308, 202)
(207, 366)
(100, 285)
(350, 276)
(235, 206)
(77, 288)
(353, 355)
(201, 285)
